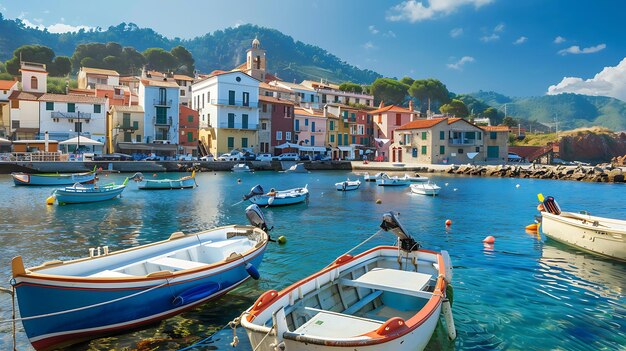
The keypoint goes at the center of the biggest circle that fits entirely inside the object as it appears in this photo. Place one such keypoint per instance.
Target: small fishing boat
(79, 193)
(386, 298)
(415, 178)
(425, 189)
(277, 198)
(297, 168)
(241, 167)
(348, 185)
(386, 180)
(53, 179)
(598, 235)
(187, 182)
(372, 178)
(62, 303)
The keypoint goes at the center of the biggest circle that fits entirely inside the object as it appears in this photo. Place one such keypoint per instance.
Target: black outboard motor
(256, 217)
(256, 190)
(391, 224)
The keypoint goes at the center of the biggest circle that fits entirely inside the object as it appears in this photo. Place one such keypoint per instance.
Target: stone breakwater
(599, 174)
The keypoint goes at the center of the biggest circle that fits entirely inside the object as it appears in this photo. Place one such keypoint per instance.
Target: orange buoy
(154, 175)
(540, 208)
(532, 227)
(489, 240)
(448, 222)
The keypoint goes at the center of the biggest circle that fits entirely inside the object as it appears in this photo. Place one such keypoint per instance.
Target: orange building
(188, 122)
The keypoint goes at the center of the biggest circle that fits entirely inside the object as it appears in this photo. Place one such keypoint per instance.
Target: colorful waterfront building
(126, 126)
(189, 124)
(330, 93)
(276, 123)
(386, 119)
(496, 143)
(227, 103)
(24, 111)
(7, 87)
(310, 127)
(89, 78)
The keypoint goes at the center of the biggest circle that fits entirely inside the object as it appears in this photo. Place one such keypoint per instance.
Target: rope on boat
(363, 242)
(81, 308)
(12, 293)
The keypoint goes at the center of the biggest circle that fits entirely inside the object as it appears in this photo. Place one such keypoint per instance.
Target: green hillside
(222, 49)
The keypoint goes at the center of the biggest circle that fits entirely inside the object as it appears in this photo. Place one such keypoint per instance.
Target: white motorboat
(387, 298)
(425, 189)
(277, 198)
(415, 178)
(386, 180)
(348, 185)
(372, 178)
(598, 235)
(297, 168)
(241, 167)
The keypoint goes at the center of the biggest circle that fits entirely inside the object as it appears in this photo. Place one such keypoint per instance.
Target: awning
(4, 141)
(287, 145)
(147, 147)
(344, 148)
(379, 140)
(82, 141)
(313, 148)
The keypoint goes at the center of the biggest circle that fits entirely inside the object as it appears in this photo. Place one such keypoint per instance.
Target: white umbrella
(83, 141)
(287, 145)
(4, 141)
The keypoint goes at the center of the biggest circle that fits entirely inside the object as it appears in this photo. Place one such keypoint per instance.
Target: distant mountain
(223, 49)
(569, 110)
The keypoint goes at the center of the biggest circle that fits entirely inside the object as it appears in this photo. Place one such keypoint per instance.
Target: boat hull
(347, 185)
(65, 196)
(425, 189)
(580, 232)
(52, 179)
(264, 200)
(167, 184)
(392, 182)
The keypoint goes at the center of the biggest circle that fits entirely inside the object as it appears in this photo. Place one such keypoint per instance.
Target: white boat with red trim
(387, 298)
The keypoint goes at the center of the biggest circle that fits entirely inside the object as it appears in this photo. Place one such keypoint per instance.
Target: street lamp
(78, 129)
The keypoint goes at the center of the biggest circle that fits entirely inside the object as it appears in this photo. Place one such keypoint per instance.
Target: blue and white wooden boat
(277, 198)
(62, 303)
(53, 179)
(187, 182)
(348, 185)
(78, 193)
(386, 180)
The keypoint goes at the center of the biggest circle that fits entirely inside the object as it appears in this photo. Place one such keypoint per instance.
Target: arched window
(34, 84)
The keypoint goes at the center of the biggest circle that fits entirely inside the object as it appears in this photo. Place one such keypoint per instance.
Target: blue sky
(518, 48)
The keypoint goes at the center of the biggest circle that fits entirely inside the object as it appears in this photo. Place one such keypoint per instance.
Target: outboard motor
(391, 224)
(551, 206)
(138, 177)
(256, 190)
(256, 217)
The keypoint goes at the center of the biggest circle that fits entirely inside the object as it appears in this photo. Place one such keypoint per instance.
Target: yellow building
(125, 126)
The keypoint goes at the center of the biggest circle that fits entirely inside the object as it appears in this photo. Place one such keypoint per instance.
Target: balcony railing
(467, 142)
(249, 126)
(162, 121)
(127, 127)
(72, 115)
(238, 103)
(162, 103)
(302, 129)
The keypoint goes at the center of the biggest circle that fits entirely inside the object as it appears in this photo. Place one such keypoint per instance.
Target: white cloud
(458, 65)
(488, 38)
(53, 28)
(559, 40)
(611, 81)
(499, 28)
(369, 46)
(415, 11)
(373, 30)
(456, 32)
(390, 34)
(576, 50)
(520, 40)
(239, 23)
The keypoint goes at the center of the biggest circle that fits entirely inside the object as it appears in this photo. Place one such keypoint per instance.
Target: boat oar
(237, 203)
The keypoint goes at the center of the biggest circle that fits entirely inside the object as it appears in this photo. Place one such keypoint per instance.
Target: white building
(24, 111)
(7, 87)
(159, 99)
(227, 103)
(330, 93)
(305, 97)
(65, 116)
(89, 77)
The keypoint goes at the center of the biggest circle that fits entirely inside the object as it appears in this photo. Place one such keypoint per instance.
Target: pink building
(310, 127)
(385, 120)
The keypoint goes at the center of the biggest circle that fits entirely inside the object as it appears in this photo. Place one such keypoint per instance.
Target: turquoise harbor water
(525, 293)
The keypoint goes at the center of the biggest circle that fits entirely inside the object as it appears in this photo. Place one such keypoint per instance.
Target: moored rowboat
(348, 185)
(187, 182)
(428, 188)
(386, 180)
(78, 194)
(387, 298)
(277, 198)
(64, 302)
(52, 179)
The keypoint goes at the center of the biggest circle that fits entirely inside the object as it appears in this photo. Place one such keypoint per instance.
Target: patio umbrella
(83, 141)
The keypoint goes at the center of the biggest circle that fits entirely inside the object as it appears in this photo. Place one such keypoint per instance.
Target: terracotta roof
(392, 108)
(274, 100)
(23, 95)
(159, 83)
(495, 128)
(73, 98)
(82, 91)
(133, 108)
(108, 72)
(422, 123)
(270, 77)
(308, 112)
(7, 84)
(241, 67)
(129, 79)
(183, 77)
(267, 86)
(454, 119)
(218, 72)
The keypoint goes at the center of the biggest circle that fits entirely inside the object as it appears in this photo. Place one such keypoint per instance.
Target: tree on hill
(427, 91)
(493, 115)
(407, 80)
(510, 121)
(29, 53)
(160, 60)
(186, 63)
(349, 86)
(62, 66)
(388, 90)
(456, 108)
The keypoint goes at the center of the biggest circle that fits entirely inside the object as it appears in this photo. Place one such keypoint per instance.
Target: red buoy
(489, 240)
(448, 222)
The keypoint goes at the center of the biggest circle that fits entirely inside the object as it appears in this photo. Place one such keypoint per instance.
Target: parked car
(208, 157)
(513, 157)
(264, 157)
(306, 158)
(113, 157)
(290, 156)
(231, 157)
(321, 157)
(248, 156)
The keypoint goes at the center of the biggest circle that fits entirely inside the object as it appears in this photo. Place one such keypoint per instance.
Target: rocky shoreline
(599, 174)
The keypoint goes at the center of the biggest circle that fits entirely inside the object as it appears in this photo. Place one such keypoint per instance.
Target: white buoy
(455, 189)
(446, 309)
(517, 185)
(446, 184)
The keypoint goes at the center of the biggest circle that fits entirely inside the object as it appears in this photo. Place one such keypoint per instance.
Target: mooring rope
(363, 242)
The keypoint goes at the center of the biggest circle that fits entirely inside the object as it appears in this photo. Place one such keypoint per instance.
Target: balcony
(70, 115)
(127, 127)
(248, 126)
(302, 129)
(162, 103)
(161, 121)
(462, 142)
(237, 103)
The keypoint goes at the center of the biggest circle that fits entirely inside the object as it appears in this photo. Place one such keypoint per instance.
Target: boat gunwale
(31, 273)
(373, 338)
(575, 219)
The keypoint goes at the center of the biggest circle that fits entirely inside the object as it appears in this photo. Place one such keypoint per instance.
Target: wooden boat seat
(336, 325)
(392, 280)
(219, 250)
(111, 274)
(170, 263)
